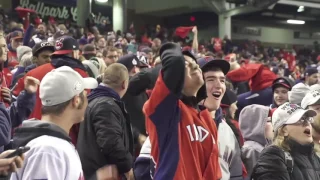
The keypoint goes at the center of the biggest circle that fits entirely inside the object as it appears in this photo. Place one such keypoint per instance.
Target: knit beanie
(92, 70)
(297, 93)
(22, 50)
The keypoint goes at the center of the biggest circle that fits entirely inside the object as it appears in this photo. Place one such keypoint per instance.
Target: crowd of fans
(109, 105)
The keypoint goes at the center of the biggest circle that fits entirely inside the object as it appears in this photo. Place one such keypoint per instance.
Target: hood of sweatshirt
(61, 60)
(252, 120)
(32, 129)
(103, 91)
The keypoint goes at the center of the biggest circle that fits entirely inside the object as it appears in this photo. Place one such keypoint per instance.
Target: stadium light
(102, 1)
(301, 9)
(293, 21)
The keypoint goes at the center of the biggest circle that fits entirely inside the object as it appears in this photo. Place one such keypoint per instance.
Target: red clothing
(291, 60)
(12, 59)
(259, 75)
(8, 76)
(183, 32)
(39, 73)
(183, 139)
(4, 79)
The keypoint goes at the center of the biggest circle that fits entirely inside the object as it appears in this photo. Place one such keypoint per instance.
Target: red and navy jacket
(39, 72)
(183, 139)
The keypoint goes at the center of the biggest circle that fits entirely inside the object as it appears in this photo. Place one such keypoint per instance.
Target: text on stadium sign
(61, 12)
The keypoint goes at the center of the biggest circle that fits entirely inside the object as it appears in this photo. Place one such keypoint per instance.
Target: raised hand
(31, 84)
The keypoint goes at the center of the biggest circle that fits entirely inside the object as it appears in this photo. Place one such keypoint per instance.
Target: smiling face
(280, 95)
(216, 87)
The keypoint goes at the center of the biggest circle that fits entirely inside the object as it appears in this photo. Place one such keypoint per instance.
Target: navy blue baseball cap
(65, 45)
(310, 71)
(209, 61)
(129, 61)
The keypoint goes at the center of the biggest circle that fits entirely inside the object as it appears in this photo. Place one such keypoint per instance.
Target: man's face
(41, 29)
(313, 79)
(216, 87)
(193, 77)
(120, 52)
(15, 43)
(43, 57)
(150, 56)
(4, 49)
(102, 43)
(81, 105)
(111, 42)
(111, 58)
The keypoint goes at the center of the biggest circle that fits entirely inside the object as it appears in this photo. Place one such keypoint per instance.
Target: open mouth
(307, 132)
(216, 94)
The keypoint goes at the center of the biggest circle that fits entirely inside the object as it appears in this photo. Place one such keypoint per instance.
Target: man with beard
(311, 76)
(15, 39)
(40, 35)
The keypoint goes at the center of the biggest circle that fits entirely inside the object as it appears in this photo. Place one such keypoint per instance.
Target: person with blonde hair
(312, 101)
(105, 136)
(292, 154)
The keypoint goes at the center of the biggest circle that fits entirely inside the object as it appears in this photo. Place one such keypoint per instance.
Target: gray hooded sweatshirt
(252, 120)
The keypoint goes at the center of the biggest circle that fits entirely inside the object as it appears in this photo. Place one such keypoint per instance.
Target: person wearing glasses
(292, 155)
(312, 101)
(110, 55)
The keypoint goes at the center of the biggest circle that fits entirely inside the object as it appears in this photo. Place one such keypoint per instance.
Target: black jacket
(134, 105)
(105, 136)
(272, 165)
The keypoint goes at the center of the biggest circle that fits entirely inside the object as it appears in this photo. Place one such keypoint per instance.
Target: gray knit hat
(22, 50)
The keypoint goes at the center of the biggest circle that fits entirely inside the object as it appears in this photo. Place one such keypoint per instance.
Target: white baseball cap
(62, 84)
(289, 114)
(311, 98)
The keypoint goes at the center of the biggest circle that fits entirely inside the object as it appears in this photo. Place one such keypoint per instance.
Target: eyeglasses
(305, 121)
(112, 57)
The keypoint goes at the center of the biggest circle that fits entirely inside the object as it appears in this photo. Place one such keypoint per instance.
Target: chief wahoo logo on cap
(59, 44)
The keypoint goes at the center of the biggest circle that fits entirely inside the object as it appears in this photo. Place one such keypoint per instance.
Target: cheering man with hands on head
(183, 135)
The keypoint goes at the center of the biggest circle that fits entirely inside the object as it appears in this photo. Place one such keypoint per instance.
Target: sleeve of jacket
(5, 125)
(109, 137)
(20, 86)
(27, 35)
(173, 67)
(22, 108)
(143, 80)
(249, 157)
(244, 73)
(271, 165)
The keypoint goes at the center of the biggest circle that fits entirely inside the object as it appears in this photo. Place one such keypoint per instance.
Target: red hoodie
(260, 76)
